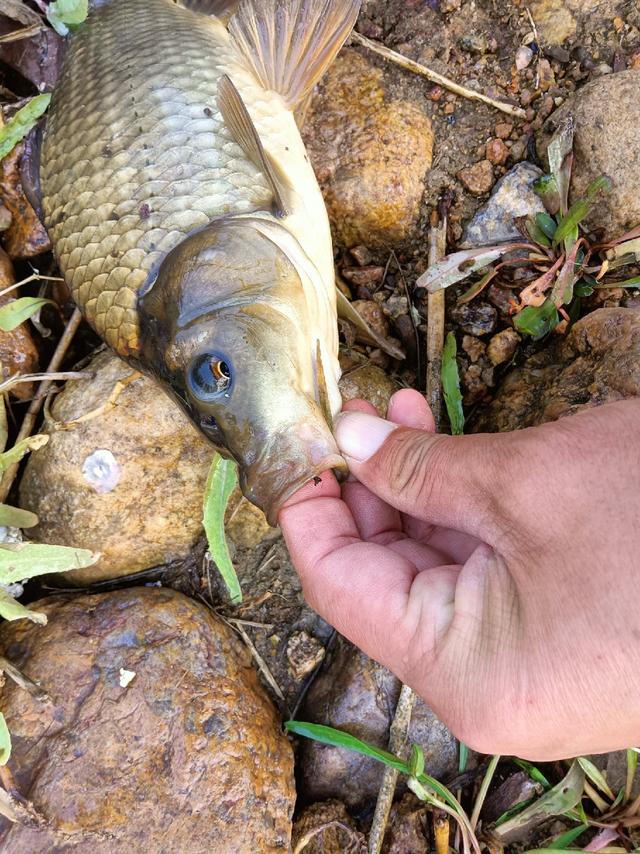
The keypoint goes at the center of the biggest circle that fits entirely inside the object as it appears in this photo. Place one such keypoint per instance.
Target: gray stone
(512, 197)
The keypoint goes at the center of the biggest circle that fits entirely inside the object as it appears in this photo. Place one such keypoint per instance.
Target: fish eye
(209, 376)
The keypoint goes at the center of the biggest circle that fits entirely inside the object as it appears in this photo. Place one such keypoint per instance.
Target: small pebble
(503, 130)
(477, 179)
(502, 346)
(475, 318)
(473, 347)
(496, 152)
(363, 276)
(524, 55)
(361, 255)
(547, 77)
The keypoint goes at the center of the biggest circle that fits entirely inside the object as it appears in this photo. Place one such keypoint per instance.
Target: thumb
(450, 481)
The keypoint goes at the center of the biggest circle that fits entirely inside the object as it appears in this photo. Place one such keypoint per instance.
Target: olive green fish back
(135, 153)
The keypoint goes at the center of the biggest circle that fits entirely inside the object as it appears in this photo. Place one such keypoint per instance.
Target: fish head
(225, 326)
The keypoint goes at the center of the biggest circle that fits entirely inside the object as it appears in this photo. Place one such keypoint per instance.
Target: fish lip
(271, 508)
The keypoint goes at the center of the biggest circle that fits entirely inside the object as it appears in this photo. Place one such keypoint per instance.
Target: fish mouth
(280, 471)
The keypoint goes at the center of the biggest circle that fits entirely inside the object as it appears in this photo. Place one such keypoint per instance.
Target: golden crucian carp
(188, 223)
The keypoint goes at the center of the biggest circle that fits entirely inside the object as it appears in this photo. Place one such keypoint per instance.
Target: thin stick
(38, 400)
(259, 660)
(397, 740)
(484, 788)
(435, 324)
(434, 77)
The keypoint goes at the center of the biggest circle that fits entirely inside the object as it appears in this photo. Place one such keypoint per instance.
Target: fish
(189, 226)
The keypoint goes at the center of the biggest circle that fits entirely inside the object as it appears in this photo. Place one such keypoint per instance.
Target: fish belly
(135, 153)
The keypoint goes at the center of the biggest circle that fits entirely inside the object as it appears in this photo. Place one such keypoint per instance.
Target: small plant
(556, 262)
(223, 477)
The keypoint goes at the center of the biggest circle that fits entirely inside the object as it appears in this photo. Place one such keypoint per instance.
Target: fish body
(188, 223)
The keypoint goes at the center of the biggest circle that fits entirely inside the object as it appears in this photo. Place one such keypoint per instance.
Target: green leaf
(562, 797)
(595, 775)
(20, 561)
(5, 741)
(338, 738)
(547, 188)
(582, 289)
(15, 454)
(460, 265)
(568, 225)
(451, 385)
(416, 760)
(627, 283)
(560, 157)
(223, 476)
(538, 320)
(546, 224)
(535, 773)
(514, 810)
(12, 314)
(67, 14)
(15, 517)
(535, 232)
(11, 609)
(463, 756)
(20, 125)
(565, 839)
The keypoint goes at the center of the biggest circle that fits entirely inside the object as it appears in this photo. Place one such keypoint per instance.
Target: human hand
(497, 575)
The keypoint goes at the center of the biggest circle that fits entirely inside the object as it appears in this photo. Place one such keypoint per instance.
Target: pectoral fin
(289, 44)
(237, 118)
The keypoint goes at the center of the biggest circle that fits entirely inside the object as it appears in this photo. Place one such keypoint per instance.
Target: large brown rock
(370, 152)
(607, 116)
(597, 362)
(358, 695)
(128, 482)
(187, 757)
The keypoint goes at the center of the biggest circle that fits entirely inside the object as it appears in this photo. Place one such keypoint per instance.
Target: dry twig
(435, 323)
(434, 77)
(36, 403)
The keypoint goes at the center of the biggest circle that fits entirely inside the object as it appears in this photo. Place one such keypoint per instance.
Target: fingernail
(360, 435)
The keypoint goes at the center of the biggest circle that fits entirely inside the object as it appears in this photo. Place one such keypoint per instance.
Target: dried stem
(434, 77)
(435, 324)
(441, 831)
(397, 740)
(38, 400)
(484, 788)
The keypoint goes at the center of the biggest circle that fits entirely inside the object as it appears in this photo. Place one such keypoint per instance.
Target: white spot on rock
(101, 470)
(126, 677)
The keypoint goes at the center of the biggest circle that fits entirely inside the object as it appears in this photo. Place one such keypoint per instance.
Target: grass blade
(596, 776)
(565, 839)
(12, 314)
(15, 454)
(222, 478)
(451, 385)
(338, 738)
(5, 741)
(20, 125)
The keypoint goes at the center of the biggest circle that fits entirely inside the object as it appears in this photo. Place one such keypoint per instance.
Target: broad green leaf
(67, 14)
(451, 385)
(546, 224)
(538, 320)
(536, 233)
(15, 517)
(338, 738)
(15, 454)
(568, 225)
(11, 609)
(562, 797)
(627, 283)
(5, 741)
(20, 125)
(560, 157)
(223, 476)
(582, 289)
(565, 839)
(454, 268)
(12, 314)
(595, 775)
(20, 561)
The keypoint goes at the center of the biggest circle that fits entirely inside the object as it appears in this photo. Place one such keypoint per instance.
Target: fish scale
(132, 163)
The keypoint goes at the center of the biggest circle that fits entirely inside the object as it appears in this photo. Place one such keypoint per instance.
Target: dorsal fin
(289, 44)
(222, 9)
(237, 119)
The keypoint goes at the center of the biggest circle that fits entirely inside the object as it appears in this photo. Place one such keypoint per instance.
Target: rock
(504, 130)
(368, 383)
(363, 276)
(329, 829)
(554, 19)
(524, 55)
(607, 115)
(597, 362)
(26, 235)
(497, 152)
(245, 524)
(512, 197)
(518, 787)
(546, 76)
(477, 179)
(18, 352)
(502, 346)
(370, 152)
(127, 482)
(408, 828)
(372, 314)
(475, 318)
(473, 347)
(356, 694)
(304, 654)
(189, 755)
